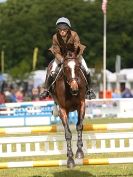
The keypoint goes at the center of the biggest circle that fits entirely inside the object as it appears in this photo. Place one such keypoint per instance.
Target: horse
(69, 93)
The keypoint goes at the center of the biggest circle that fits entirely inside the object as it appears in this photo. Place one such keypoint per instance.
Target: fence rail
(55, 144)
(55, 128)
(55, 163)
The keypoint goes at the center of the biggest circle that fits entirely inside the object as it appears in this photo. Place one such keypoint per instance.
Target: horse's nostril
(74, 92)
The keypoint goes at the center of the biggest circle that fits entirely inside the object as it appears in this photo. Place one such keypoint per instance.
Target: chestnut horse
(69, 93)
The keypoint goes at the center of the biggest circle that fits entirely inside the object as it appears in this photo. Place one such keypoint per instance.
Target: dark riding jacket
(59, 46)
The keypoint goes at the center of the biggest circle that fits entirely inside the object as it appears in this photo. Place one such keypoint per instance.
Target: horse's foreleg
(79, 127)
(68, 137)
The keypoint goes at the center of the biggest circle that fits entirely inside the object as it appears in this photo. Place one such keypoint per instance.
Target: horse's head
(71, 69)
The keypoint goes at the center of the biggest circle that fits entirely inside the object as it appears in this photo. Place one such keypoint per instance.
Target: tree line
(26, 25)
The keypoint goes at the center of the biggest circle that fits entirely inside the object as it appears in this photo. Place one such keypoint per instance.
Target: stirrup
(44, 94)
(91, 94)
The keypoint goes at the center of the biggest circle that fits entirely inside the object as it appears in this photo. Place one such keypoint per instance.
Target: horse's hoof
(70, 163)
(79, 154)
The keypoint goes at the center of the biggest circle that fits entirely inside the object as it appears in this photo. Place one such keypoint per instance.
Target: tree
(27, 24)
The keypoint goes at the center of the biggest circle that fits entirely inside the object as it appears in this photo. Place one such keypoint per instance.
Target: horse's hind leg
(68, 137)
(79, 127)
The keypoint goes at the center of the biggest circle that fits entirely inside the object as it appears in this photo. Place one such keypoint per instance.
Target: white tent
(128, 73)
(125, 74)
(37, 77)
(111, 77)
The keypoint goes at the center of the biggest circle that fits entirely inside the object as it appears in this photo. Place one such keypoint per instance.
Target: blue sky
(2, 1)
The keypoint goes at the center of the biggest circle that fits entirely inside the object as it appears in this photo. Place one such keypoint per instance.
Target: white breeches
(81, 59)
(83, 63)
(54, 65)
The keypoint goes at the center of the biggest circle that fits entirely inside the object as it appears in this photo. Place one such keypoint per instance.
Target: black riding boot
(90, 91)
(48, 82)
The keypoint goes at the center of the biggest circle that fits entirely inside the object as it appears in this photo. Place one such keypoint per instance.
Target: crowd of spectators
(22, 91)
(19, 92)
(123, 92)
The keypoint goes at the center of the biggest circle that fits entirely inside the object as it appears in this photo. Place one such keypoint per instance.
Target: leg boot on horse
(79, 153)
(68, 137)
(79, 127)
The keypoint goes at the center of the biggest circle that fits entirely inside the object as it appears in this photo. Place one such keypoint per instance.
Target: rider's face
(63, 32)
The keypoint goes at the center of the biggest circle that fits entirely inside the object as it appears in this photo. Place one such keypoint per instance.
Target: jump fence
(40, 113)
(104, 138)
(31, 114)
(59, 128)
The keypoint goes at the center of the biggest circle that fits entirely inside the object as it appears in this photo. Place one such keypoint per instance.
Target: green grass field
(123, 170)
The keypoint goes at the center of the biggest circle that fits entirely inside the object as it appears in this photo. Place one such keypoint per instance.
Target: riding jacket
(60, 46)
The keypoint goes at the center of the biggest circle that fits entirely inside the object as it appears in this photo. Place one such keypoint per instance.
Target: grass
(109, 120)
(123, 170)
(79, 171)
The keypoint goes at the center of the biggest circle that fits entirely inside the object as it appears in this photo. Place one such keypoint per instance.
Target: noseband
(71, 80)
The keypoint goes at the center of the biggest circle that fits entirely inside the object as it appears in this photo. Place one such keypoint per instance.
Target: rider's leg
(50, 77)
(90, 90)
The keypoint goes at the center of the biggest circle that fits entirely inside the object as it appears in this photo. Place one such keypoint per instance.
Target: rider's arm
(55, 49)
(77, 44)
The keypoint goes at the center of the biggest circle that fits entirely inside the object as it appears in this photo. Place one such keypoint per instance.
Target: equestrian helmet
(63, 22)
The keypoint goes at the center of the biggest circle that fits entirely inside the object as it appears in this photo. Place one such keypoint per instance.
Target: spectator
(2, 97)
(125, 92)
(116, 93)
(13, 95)
(35, 94)
(19, 95)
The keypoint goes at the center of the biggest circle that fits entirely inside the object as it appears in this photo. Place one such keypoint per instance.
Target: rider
(61, 40)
